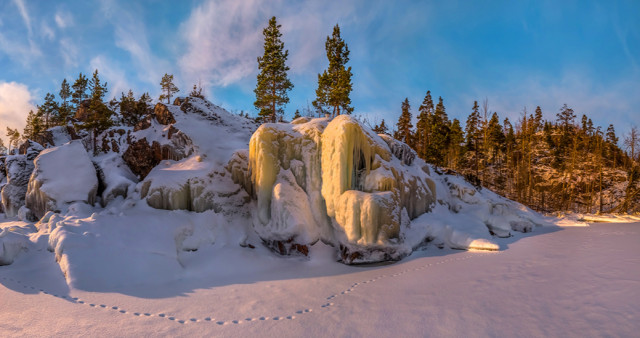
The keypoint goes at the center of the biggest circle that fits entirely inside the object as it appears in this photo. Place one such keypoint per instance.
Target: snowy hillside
(192, 183)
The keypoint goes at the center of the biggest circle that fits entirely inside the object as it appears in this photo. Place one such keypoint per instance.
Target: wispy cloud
(69, 52)
(24, 14)
(130, 35)
(63, 19)
(224, 38)
(15, 103)
(112, 73)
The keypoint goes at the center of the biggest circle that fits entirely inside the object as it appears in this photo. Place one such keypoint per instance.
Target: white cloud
(24, 14)
(48, 32)
(224, 38)
(15, 103)
(19, 50)
(63, 19)
(69, 52)
(130, 34)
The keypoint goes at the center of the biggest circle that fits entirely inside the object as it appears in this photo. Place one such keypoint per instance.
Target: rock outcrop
(18, 171)
(61, 175)
(336, 181)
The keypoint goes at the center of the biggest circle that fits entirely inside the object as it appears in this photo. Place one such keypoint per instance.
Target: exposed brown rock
(163, 115)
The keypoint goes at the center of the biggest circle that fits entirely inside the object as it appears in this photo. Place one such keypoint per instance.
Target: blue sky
(516, 54)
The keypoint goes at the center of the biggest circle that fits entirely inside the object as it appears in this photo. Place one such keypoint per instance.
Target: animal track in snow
(192, 320)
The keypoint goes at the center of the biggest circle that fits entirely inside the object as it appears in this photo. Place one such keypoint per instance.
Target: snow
(62, 175)
(574, 281)
(189, 250)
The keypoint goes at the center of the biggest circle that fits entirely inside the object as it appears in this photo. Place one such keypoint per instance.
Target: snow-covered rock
(13, 241)
(18, 171)
(115, 177)
(62, 175)
(347, 185)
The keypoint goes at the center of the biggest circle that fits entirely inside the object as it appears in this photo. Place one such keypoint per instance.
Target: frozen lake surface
(556, 281)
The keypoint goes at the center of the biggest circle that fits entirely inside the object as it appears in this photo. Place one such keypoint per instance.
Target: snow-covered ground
(556, 281)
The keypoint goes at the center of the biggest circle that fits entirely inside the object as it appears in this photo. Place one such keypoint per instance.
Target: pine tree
(456, 141)
(64, 111)
(168, 88)
(537, 120)
(79, 90)
(296, 114)
(423, 125)
(49, 110)
(404, 125)
(334, 84)
(128, 109)
(197, 92)
(14, 137)
(473, 134)
(272, 80)
(99, 115)
(381, 128)
(437, 151)
(34, 125)
(495, 136)
(3, 149)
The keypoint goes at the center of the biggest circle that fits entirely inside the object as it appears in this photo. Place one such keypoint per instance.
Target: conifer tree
(3, 149)
(296, 114)
(197, 92)
(495, 136)
(272, 81)
(49, 110)
(404, 125)
(473, 133)
(423, 125)
(99, 115)
(439, 143)
(168, 88)
(79, 90)
(456, 141)
(538, 120)
(381, 128)
(14, 137)
(334, 84)
(64, 111)
(34, 125)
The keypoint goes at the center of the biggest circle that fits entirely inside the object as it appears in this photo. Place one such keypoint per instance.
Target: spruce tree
(404, 125)
(296, 114)
(473, 134)
(272, 80)
(334, 84)
(168, 88)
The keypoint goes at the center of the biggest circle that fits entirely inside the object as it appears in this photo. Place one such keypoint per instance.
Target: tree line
(559, 164)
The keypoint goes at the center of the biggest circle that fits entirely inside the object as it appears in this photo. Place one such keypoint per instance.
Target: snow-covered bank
(553, 282)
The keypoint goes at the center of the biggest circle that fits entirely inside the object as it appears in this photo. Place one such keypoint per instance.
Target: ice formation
(348, 187)
(62, 175)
